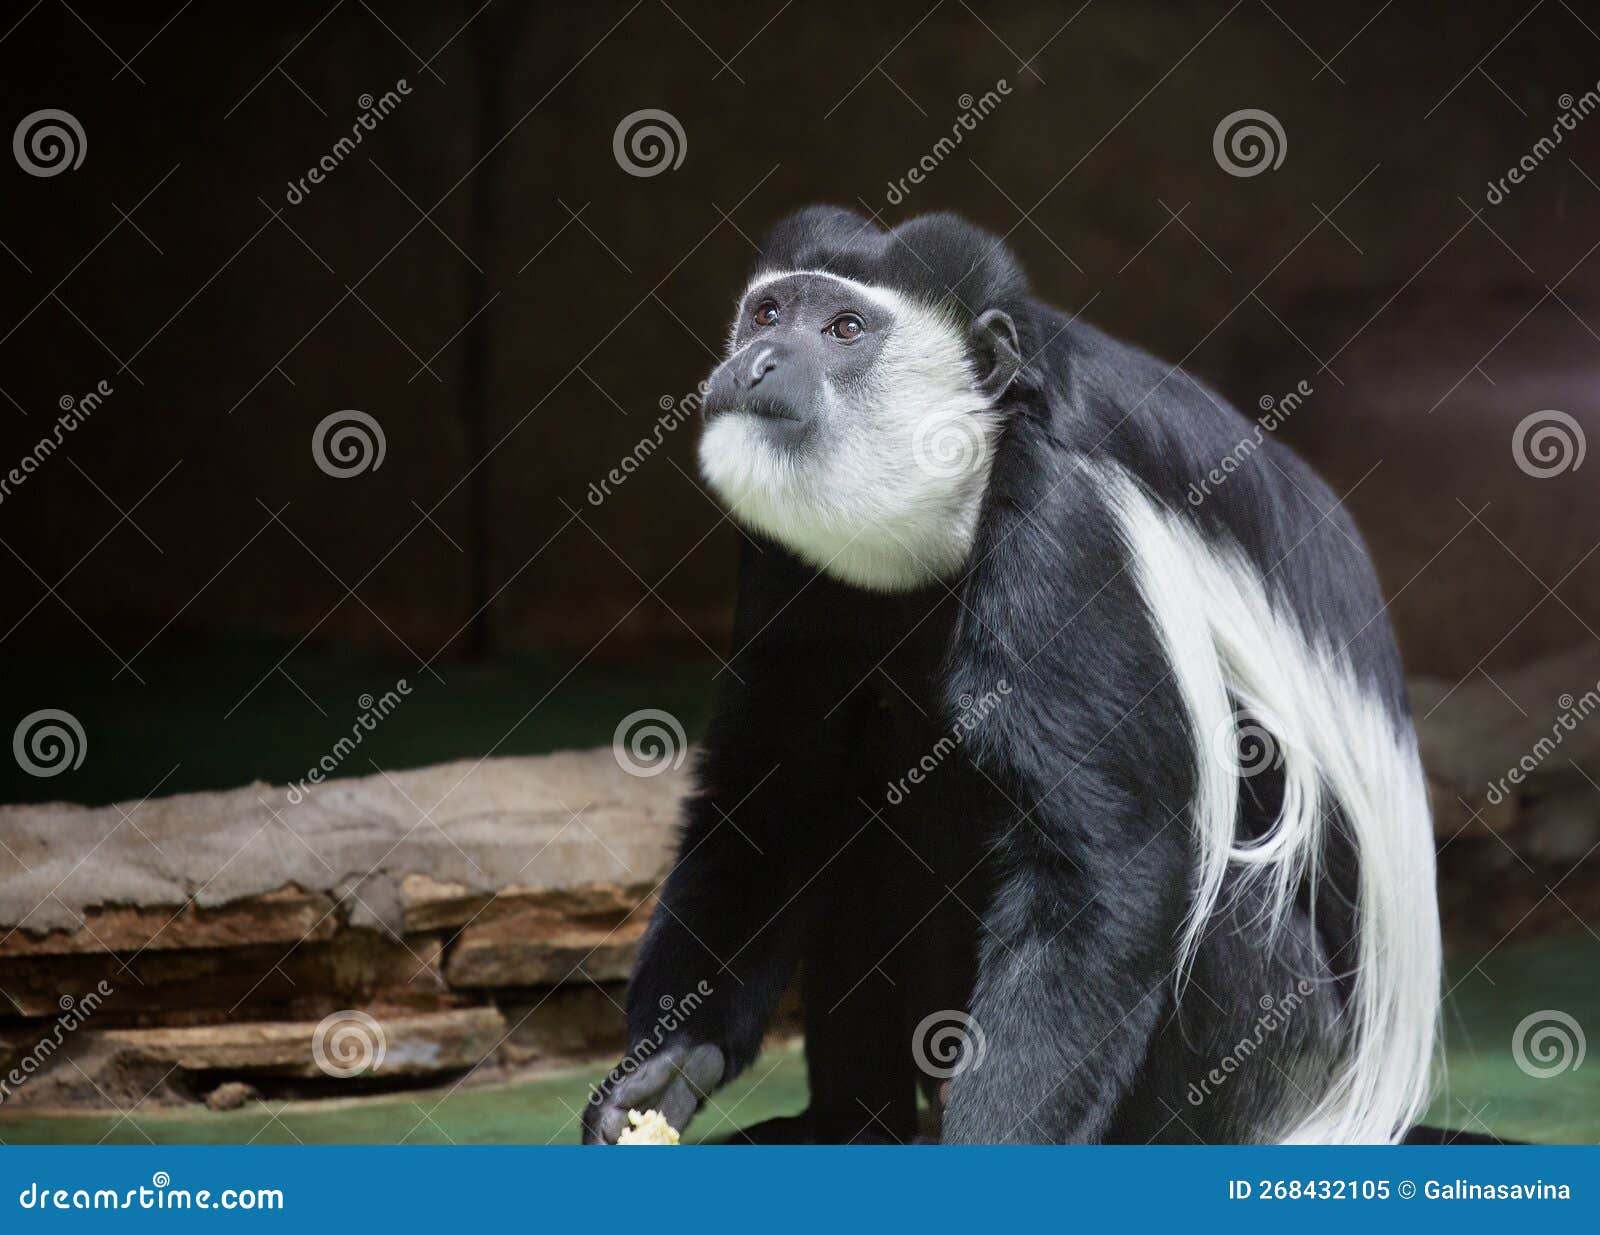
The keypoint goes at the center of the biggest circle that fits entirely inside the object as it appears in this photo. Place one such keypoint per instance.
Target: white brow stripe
(880, 296)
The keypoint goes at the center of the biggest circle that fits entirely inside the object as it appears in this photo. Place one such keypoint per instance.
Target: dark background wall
(483, 279)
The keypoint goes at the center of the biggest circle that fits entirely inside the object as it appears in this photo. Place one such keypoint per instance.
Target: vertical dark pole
(495, 38)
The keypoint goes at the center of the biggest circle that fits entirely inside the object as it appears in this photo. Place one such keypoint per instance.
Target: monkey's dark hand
(675, 1081)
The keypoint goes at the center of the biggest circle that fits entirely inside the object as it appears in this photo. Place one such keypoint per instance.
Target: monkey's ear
(994, 337)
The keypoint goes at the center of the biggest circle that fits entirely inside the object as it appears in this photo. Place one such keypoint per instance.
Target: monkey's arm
(1075, 976)
(726, 934)
(1078, 943)
(720, 946)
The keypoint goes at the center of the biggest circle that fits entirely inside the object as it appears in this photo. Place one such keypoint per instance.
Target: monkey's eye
(766, 313)
(847, 328)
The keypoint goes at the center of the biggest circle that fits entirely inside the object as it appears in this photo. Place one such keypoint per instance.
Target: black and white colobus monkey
(1016, 729)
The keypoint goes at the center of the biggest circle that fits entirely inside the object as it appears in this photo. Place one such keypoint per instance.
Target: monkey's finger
(703, 1068)
(679, 1104)
(646, 1082)
(603, 1123)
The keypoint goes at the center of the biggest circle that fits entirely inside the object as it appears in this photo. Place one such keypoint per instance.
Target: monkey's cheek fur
(754, 465)
(857, 508)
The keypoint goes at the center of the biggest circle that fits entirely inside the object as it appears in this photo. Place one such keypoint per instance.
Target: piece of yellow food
(650, 1128)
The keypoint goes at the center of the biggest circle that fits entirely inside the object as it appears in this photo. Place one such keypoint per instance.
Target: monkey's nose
(764, 362)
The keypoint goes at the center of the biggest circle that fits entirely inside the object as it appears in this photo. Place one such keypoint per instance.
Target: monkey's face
(852, 425)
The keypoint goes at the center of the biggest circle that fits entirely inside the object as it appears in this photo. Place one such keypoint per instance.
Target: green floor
(527, 1112)
(1486, 1090)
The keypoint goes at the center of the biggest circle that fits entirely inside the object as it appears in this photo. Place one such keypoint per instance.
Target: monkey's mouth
(769, 409)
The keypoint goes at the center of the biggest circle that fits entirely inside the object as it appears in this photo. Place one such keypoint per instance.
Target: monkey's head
(854, 419)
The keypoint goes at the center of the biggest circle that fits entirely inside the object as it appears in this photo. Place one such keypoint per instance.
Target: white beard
(889, 498)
